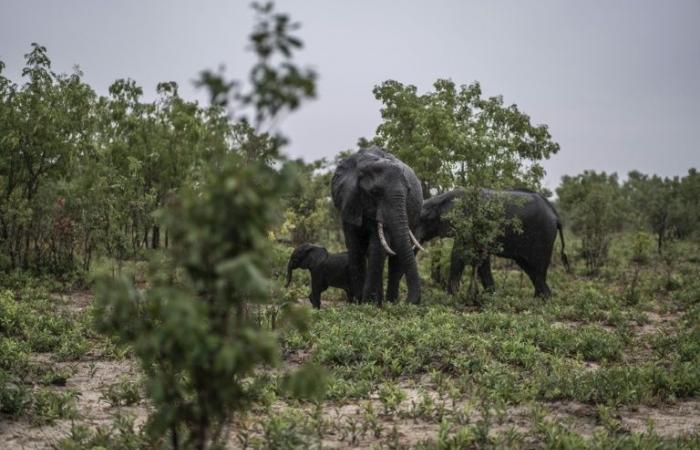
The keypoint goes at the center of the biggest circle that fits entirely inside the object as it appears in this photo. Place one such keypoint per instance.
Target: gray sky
(618, 82)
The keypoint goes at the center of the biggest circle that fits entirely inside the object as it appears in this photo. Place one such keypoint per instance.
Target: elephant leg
(357, 251)
(486, 276)
(540, 282)
(373, 289)
(395, 274)
(538, 276)
(457, 263)
(316, 289)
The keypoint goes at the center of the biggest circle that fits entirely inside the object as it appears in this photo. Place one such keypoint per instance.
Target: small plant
(641, 255)
(670, 254)
(641, 248)
(284, 431)
(47, 406)
(391, 397)
(123, 393)
(350, 430)
(15, 397)
(607, 418)
(371, 420)
(120, 434)
(392, 440)
(56, 377)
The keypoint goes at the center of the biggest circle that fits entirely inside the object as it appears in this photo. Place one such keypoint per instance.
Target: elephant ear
(316, 255)
(449, 200)
(346, 191)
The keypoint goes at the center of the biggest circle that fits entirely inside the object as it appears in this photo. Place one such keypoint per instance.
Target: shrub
(592, 203)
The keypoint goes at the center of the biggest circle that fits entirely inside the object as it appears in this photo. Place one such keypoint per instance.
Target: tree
(194, 338)
(192, 328)
(658, 202)
(594, 206)
(310, 215)
(454, 137)
(689, 194)
(45, 126)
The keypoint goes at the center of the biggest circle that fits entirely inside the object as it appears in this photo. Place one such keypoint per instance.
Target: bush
(592, 204)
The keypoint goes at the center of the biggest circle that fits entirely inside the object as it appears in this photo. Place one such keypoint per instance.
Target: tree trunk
(155, 237)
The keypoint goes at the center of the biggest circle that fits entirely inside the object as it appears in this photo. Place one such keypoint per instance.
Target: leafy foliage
(310, 215)
(592, 203)
(193, 329)
(454, 137)
(195, 338)
(661, 203)
(91, 176)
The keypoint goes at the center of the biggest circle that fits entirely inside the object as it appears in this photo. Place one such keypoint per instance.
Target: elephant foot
(543, 294)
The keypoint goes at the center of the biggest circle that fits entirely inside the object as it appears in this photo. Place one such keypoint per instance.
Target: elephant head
(433, 222)
(305, 256)
(380, 197)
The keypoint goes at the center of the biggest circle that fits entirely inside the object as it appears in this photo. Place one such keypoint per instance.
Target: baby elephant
(327, 270)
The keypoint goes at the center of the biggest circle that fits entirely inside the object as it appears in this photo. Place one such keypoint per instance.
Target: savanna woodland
(148, 297)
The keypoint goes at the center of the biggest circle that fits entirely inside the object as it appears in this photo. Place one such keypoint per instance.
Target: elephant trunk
(290, 268)
(403, 246)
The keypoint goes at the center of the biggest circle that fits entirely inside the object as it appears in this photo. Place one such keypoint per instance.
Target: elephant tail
(560, 227)
(564, 258)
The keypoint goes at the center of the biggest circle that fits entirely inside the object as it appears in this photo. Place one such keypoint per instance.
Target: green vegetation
(142, 253)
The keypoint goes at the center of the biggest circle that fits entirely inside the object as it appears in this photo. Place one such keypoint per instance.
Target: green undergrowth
(41, 338)
(586, 343)
(461, 369)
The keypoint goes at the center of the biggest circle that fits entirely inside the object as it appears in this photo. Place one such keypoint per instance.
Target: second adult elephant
(530, 247)
(380, 199)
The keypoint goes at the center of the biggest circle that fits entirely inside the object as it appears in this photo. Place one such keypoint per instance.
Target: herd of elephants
(383, 214)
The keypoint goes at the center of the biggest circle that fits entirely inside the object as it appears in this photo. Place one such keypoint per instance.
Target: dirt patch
(89, 380)
(74, 302)
(565, 324)
(671, 420)
(643, 335)
(577, 417)
(657, 321)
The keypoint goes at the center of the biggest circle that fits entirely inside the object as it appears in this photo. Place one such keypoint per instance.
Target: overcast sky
(618, 82)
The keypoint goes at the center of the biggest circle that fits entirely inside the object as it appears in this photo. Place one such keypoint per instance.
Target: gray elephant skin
(531, 247)
(379, 199)
(327, 270)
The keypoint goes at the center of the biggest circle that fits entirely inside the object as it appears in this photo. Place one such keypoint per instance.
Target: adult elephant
(530, 247)
(380, 199)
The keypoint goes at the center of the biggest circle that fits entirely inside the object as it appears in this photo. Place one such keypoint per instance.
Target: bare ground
(90, 378)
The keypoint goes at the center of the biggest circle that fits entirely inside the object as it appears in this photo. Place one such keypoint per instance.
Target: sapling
(193, 329)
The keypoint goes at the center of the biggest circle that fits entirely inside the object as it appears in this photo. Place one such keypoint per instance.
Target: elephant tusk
(416, 243)
(382, 239)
